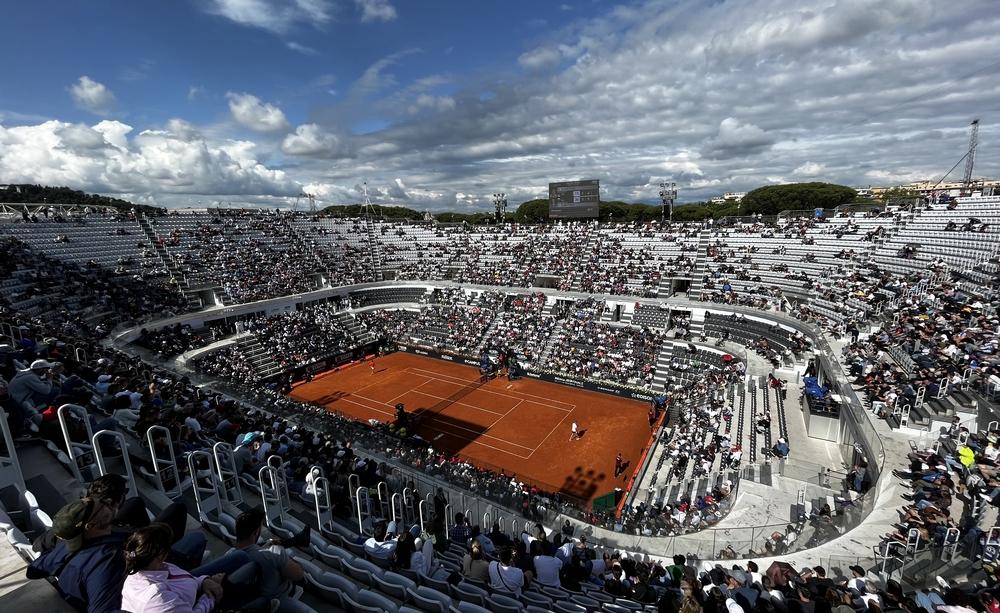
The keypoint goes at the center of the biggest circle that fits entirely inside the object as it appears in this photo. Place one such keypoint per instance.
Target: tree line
(767, 200)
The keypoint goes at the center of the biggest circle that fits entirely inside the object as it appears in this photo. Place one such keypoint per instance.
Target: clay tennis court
(521, 426)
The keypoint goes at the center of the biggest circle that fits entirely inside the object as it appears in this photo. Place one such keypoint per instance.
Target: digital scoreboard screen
(574, 199)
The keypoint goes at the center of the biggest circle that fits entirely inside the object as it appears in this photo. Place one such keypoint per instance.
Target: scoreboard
(574, 199)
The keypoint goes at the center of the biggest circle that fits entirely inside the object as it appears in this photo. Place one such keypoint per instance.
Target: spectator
(277, 569)
(154, 585)
(474, 566)
(504, 575)
(460, 531)
(382, 544)
(87, 563)
(547, 568)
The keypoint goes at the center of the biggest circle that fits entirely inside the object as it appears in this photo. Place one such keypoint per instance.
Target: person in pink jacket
(152, 585)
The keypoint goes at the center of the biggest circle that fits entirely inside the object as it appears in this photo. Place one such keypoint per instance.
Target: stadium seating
(913, 369)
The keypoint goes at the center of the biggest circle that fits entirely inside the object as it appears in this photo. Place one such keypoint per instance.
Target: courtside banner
(603, 387)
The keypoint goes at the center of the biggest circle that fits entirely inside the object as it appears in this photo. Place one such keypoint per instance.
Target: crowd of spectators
(936, 338)
(131, 397)
(387, 323)
(297, 338)
(175, 339)
(615, 353)
(87, 300)
(251, 255)
(231, 363)
(521, 327)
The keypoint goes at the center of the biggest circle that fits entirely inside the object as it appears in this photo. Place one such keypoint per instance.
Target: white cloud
(277, 16)
(195, 92)
(542, 58)
(177, 159)
(92, 96)
(810, 169)
(433, 103)
(250, 112)
(304, 50)
(718, 96)
(736, 138)
(311, 140)
(376, 10)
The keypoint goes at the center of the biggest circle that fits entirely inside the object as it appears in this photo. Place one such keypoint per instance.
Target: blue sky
(440, 104)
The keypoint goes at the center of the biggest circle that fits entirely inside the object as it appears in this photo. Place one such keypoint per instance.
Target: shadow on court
(430, 423)
(330, 398)
(582, 484)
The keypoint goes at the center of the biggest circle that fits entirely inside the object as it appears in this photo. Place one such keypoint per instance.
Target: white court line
(440, 426)
(549, 434)
(463, 404)
(390, 401)
(370, 385)
(434, 415)
(509, 394)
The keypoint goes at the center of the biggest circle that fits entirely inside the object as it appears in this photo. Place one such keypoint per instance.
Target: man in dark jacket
(87, 564)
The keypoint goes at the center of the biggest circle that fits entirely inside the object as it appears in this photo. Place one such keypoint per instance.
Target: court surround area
(521, 426)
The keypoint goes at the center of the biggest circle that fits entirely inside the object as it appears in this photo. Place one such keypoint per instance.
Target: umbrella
(782, 573)
(727, 358)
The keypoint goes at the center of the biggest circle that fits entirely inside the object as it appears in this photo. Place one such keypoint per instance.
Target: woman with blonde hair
(689, 597)
(474, 566)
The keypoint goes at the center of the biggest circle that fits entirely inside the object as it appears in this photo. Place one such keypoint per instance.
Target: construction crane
(970, 157)
(970, 160)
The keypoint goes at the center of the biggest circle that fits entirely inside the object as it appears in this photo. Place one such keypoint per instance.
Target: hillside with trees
(42, 194)
(768, 200)
(773, 199)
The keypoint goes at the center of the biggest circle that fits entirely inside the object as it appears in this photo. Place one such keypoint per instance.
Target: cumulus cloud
(716, 96)
(92, 96)
(430, 102)
(250, 112)
(176, 159)
(542, 58)
(277, 16)
(311, 140)
(810, 169)
(737, 139)
(376, 10)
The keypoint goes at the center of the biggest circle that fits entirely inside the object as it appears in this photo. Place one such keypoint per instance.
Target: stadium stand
(906, 302)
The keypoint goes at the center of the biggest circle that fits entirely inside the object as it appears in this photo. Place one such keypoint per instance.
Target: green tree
(40, 194)
(532, 211)
(773, 199)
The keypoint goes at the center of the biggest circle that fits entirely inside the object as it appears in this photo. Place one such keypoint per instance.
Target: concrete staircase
(662, 366)
(376, 252)
(697, 327)
(309, 247)
(194, 302)
(553, 339)
(354, 329)
(700, 265)
(258, 355)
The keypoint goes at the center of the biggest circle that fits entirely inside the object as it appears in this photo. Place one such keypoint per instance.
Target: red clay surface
(521, 426)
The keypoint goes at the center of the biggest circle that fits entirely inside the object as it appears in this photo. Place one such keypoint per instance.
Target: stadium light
(668, 193)
(500, 203)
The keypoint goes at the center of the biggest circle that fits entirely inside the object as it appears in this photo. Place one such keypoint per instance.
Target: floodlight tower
(367, 209)
(500, 204)
(970, 157)
(668, 193)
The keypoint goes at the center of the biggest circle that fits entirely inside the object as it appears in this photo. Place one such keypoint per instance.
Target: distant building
(729, 197)
(931, 187)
